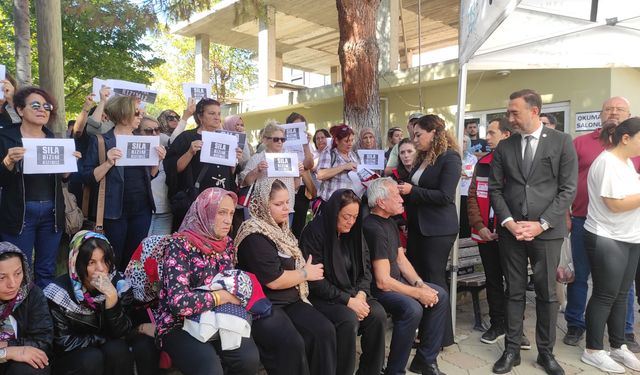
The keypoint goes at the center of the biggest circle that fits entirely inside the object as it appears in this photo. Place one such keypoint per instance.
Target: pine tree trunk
(21, 24)
(358, 52)
(49, 22)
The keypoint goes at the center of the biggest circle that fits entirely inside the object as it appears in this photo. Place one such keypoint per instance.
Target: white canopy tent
(542, 34)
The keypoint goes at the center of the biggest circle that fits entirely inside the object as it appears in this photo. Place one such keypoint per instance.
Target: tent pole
(462, 99)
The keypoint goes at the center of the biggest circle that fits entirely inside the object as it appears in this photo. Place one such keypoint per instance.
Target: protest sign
(219, 148)
(297, 149)
(296, 133)
(372, 159)
(124, 88)
(49, 155)
(241, 137)
(138, 150)
(282, 164)
(3, 75)
(196, 91)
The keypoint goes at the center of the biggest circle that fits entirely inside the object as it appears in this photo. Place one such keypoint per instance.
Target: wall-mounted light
(503, 73)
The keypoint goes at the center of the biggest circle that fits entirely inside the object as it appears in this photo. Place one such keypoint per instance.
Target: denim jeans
(407, 313)
(161, 224)
(39, 233)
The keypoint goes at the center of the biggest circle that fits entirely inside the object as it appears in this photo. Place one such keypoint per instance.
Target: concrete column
(278, 72)
(388, 34)
(267, 51)
(336, 74)
(202, 58)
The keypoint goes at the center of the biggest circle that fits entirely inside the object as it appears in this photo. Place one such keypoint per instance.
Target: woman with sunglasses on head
(256, 169)
(172, 124)
(32, 205)
(183, 166)
(335, 163)
(89, 306)
(128, 203)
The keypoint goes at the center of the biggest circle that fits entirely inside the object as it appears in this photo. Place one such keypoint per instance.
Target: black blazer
(549, 189)
(431, 204)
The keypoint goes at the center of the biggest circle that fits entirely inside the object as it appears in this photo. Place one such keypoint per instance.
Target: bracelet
(216, 298)
(418, 283)
(304, 273)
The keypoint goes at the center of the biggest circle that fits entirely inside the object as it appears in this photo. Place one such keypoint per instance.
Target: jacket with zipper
(12, 203)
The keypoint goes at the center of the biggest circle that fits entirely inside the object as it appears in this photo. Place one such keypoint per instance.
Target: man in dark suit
(532, 184)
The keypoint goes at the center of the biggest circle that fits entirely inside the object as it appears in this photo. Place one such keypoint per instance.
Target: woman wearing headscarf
(235, 123)
(24, 345)
(89, 308)
(296, 338)
(334, 239)
(195, 255)
(366, 139)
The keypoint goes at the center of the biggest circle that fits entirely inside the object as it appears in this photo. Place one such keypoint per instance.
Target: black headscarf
(320, 239)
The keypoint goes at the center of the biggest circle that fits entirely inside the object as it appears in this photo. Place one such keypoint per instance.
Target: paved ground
(470, 356)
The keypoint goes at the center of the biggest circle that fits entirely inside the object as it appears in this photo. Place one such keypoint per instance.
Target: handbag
(98, 225)
(182, 200)
(244, 195)
(74, 217)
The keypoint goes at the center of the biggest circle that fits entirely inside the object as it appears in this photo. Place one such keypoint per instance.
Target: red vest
(481, 180)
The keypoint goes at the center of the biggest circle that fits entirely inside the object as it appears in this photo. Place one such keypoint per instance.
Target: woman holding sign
(183, 166)
(32, 205)
(335, 164)
(128, 202)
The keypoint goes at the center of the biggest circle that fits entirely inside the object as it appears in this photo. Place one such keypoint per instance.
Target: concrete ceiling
(307, 32)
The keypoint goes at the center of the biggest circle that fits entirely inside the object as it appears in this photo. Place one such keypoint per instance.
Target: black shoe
(632, 344)
(506, 362)
(530, 286)
(525, 344)
(432, 369)
(493, 334)
(551, 366)
(573, 336)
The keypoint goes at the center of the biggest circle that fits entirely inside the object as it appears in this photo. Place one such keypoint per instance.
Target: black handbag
(182, 200)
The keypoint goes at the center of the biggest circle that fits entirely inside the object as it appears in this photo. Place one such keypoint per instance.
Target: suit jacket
(432, 203)
(548, 190)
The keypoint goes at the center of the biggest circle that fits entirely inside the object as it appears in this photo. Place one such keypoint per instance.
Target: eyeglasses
(277, 139)
(151, 130)
(173, 118)
(614, 109)
(37, 105)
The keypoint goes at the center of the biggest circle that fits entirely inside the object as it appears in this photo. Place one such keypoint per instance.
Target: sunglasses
(277, 139)
(46, 106)
(151, 130)
(173, 118)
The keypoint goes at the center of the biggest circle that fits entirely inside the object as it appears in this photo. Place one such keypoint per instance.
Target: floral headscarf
(8, 307)
(230, 122)
(262, 222)
(197, 225)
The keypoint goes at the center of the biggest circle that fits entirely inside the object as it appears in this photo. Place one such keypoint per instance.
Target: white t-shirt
(610, 177)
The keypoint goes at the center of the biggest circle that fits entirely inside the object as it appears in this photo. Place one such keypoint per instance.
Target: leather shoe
(432, 369)
(506, 362)
(551, 366)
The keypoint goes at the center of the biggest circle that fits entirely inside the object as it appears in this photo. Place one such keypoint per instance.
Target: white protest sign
(282, 164)
(297, 149)
(372, 159)
(296, 133)
(241, 137)
(3, 75)
(138, 150)
(196, 91)
(358, 187)
(49, 155)
(587, 121)
(219, 148)
(125, 88)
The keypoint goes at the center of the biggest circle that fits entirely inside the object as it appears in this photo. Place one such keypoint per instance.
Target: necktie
(527, 161)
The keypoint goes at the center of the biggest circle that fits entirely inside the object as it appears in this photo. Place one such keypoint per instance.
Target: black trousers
(544, 256)
(112, 358)
(145, 353)
(429, 255)
(296, 339)
(21, 368)
(613, 267)
(490, 255)
(347, 326)
(193, 357)
(300, 208)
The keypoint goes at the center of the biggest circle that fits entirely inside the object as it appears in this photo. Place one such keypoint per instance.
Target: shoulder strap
(103, 183)
(203, 171)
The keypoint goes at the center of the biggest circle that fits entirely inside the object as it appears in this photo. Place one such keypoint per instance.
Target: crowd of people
(174, 269)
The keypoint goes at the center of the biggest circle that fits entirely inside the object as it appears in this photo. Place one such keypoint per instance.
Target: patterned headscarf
(197, 225)
(262, 222)
(230, 122)
(8, 307)
(364, 131)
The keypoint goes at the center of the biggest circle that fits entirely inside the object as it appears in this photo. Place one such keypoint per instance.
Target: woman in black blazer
(430, 198)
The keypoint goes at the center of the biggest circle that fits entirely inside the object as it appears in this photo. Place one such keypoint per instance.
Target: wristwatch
(544, 224)
(3, 355)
